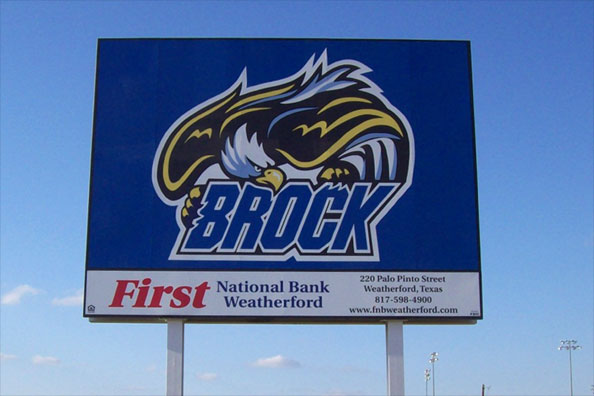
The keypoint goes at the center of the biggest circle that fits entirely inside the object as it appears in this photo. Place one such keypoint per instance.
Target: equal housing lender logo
(303, 167)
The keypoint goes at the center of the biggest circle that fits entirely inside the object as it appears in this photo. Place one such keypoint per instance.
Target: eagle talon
(342, 173)
(190, 210)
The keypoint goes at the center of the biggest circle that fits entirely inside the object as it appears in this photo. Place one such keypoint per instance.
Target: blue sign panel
(269, 155)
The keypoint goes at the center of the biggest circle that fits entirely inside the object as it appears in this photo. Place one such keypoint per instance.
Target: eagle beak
(273, 178)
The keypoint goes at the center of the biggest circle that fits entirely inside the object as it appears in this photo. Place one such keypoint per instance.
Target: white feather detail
(242, 156)
(355, 156)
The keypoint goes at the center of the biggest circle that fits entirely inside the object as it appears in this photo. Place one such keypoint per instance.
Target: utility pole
(427, 378)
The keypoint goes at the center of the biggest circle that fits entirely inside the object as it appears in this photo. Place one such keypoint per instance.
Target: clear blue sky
(533, 98)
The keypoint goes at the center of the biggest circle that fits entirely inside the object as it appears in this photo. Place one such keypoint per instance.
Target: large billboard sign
(289, 180)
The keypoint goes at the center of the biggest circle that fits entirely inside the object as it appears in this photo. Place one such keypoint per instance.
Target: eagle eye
(257, 169)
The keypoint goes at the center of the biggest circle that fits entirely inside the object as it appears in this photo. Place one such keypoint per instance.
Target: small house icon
(91, 308)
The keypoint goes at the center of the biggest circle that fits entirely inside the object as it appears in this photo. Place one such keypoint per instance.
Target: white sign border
(284, 296)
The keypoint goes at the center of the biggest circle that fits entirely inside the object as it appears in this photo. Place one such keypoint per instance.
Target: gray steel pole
(175, 357)
(395, 357)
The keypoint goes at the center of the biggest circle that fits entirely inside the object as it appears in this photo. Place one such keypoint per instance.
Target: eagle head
(244, 158)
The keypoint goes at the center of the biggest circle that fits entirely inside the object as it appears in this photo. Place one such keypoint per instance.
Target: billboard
(283, 179)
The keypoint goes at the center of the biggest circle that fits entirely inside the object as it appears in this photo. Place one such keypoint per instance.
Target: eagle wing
(190, 146)
(341, 118)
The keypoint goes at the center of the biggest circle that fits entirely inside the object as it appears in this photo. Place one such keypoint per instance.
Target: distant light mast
(427, 378)
(432, 359)
(569, 345)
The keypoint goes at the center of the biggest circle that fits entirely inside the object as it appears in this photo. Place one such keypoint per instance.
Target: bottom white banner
(319, 295)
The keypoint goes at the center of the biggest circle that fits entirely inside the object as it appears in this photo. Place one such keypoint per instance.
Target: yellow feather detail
(197, 133)
(174, 185)
(381, 119)
(340, 101)
(322, 125)
(238, 114)
(253, 98)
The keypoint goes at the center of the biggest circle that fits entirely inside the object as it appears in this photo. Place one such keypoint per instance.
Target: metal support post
(175, 357)
(395, 358)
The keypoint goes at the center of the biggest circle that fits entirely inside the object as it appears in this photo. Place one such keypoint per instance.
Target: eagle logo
(326, 126)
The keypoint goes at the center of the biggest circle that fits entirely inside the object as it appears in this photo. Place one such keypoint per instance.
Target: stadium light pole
(427, 378)
(485, 388)
(569, 345)
(432, 359)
